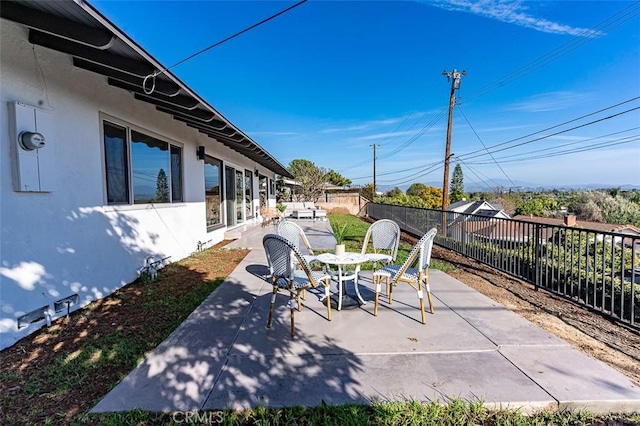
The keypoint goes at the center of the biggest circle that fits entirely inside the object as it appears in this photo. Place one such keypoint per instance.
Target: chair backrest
(420, 253)
(384, 235)
(283, 257)
(292, 232)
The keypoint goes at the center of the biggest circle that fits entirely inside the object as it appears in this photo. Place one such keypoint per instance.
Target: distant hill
(526, 186)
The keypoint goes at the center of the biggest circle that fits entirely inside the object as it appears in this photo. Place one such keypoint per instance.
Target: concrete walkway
(472, 348)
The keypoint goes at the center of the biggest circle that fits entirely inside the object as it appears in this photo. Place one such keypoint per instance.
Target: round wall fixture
(31, 140)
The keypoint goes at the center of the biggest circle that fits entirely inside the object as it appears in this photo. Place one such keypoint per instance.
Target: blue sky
(328, 79)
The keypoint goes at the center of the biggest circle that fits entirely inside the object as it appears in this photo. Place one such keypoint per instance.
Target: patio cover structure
(97, 45)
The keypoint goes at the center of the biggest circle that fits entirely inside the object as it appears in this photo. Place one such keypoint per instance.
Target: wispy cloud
(513, 12)
(368, 125)
(552, 101)
(386, 135)
(267, 133)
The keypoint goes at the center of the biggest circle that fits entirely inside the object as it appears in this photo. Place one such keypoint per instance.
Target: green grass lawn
(456, 412)
(357, 228)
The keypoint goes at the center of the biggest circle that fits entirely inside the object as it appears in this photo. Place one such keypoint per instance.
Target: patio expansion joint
(557, 402)
(338, 354)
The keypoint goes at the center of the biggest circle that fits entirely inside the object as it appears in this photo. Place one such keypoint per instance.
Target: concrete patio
(223, 356)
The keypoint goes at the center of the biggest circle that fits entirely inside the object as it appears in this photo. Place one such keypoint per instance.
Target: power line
(566, 144)
(485, 147)
(476, 174)
(592, 147)
(612, 22)
(466, 157)
(157, 73)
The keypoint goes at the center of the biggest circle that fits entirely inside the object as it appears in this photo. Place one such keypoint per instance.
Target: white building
(125, 173)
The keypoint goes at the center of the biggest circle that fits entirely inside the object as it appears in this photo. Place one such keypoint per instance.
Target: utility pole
(455, 77)
(374, 169)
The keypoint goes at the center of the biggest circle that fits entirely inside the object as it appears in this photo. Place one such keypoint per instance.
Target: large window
(146, 170)
(248, 194)
(212, 182)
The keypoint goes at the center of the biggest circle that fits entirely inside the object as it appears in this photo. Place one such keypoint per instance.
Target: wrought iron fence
(600, 270)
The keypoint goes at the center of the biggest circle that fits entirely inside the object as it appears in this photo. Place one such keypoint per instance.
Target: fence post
(536, 257)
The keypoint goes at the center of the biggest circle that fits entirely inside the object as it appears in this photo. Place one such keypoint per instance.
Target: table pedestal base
(348, 302)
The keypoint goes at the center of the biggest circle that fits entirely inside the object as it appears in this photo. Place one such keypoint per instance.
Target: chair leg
(298, 300)
(273, 301)
(421, 297)
(429, 296)
(292, 309)
(375, 306)
(327, 296)
(390, 288)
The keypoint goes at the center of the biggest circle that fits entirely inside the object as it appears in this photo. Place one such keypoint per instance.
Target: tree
(162, 188)
(395, 192)
(416, 189)
(310, 178)
(457, 185)
(367, 191)
(432, 197)
(337, 179)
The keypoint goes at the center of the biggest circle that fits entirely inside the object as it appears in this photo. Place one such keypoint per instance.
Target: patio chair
(283, 257)
(294, 233)
(414, 271)
(384, 236)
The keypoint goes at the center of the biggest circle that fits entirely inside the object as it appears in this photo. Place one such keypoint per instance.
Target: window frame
(171, 144)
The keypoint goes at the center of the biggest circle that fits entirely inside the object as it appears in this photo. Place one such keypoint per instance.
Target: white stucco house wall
(122, 175)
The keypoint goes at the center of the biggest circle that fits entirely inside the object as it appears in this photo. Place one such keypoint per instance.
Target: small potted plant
(281, 208)
(339, 233)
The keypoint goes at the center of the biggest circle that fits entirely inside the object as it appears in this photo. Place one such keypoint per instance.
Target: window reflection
(248, 194)
(150, 163)
(239, 187)
(212, 179)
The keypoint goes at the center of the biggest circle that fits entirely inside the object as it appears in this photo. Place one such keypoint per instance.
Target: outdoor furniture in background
(384, 236)
(292, 232)
(303, 210)
(319, 214)
(290, 272)
(342, 263)
(414, 276)
(269, 216)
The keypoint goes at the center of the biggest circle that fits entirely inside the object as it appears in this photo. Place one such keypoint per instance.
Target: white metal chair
(294, 233)
(384, 236)
(290, 272)
(414, 271)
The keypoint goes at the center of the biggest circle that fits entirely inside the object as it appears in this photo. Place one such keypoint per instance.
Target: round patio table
(343, 273)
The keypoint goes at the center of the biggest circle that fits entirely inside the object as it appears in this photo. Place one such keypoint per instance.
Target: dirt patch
(59, 372)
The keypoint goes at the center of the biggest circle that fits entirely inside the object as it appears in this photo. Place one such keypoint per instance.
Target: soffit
(97, 45)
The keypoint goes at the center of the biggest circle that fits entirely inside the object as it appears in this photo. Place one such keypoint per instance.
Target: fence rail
(600, 270)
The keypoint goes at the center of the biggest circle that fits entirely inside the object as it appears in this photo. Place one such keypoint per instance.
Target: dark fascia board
(213, 123)
(226, 132)
(235, 137)
(181, 101)
(256, 156)
(48, 23)
(162, 86)
(130, 66)
(197, 112)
